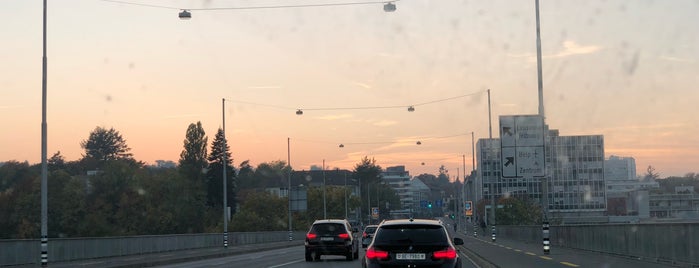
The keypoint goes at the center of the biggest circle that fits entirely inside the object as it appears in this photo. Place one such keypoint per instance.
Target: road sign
(375, 213)
(468, 208)
(522, 146)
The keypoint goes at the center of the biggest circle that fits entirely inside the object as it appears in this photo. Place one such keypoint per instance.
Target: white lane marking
(90, 263)
(471, 261)
(285, 264)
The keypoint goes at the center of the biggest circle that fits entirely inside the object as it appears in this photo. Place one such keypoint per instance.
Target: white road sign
(522, 146)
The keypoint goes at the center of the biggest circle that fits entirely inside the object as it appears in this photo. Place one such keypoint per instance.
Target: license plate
(410, 256)
(327, 239)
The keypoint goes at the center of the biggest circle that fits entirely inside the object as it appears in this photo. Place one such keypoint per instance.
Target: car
(331, 237)
(412, 243)
(368, 234)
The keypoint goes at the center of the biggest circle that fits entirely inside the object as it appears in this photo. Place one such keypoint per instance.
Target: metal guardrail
(667, 242)
(27, 251)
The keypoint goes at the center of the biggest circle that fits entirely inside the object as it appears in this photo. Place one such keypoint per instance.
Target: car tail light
(450, 253)
(364, 234)
(372, 253)
(344, 235)
(311, 236)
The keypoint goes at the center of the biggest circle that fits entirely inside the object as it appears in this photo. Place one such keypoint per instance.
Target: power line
(254, 7)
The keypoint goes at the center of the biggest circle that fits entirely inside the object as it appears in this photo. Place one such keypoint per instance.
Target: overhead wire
(253, 7)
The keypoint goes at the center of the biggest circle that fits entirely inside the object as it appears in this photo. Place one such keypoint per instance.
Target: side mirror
(458, 241)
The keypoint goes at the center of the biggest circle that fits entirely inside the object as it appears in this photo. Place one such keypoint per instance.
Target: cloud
(264, 87)
(384, 123)
(668, 58)
(334, 117)
(570, 48)
(363, 85)
(182, 116)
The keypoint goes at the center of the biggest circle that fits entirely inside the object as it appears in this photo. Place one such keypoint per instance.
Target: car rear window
(328, 228)
(370, 230)
(411, 234)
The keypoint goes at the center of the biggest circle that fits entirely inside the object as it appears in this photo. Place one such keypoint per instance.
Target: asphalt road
(283, 258)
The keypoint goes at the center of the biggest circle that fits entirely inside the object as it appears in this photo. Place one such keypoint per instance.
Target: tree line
(109, 193)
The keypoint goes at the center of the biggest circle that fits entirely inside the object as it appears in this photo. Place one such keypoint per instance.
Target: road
(282, 258)
(476, 252)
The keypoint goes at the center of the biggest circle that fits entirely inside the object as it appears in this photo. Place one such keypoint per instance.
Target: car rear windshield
(411, 234)
(328, 228)
(370, 230)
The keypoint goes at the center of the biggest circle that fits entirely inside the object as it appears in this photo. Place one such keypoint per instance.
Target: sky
(627, 70)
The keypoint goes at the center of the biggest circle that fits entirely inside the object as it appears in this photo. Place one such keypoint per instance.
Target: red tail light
(372, 253)
(311, 236)
(450, 253)
(364, 234)
(344, 235)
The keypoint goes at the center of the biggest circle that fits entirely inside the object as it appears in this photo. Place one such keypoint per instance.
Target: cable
(254, 7)
(447, 99)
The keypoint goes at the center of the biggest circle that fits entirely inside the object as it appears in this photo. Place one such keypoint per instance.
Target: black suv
(331, 237)
(412, 243)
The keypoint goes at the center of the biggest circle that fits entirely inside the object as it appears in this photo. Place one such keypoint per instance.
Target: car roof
(410, 222)
(330, 221)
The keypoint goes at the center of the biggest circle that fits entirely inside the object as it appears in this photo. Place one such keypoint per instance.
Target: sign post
(522, 146)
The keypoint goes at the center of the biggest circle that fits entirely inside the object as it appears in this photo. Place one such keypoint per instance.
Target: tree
(193, 156)
(105, 144)
(214, 176)
(368, 172)
(651, 174)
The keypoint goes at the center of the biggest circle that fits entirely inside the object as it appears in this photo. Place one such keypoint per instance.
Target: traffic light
(452, 216)
(429, 205)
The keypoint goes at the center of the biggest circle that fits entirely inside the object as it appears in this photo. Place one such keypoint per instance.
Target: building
(399, 179)
(681, 205)
(575, 168)
(627, 196)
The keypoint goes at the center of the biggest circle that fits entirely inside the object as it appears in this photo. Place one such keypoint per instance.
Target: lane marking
(91, 263)
(546, 258)
(508, 248)
(518, 250)
(529, 253)
(570, 264)
(285, 264)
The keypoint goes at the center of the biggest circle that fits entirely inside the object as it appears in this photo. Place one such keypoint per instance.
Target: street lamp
(185, 14)
(389, 7)
(225, 193)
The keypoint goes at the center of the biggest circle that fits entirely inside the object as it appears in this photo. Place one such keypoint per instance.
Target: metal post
(44, 162)
(288, 160)
(325, 211)
(345, 192)
(225, 192)
(492, 182)
(538, 62)
(546, 236)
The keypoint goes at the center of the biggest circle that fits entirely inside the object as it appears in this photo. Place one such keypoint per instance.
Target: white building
(399, 179)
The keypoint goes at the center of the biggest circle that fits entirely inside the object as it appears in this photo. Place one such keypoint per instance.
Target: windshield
(246, 121)
(411, 235)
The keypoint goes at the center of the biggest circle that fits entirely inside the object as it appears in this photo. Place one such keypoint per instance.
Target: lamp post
(325, 211)
(288, 161)
(225, 186)
(44, 162)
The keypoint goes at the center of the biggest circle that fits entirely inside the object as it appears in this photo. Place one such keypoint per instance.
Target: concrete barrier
(667, 242)
(27, 251)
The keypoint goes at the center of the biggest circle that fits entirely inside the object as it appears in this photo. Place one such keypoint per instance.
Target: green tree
(193, 157)
(246, 176)
(271, 174)
(518, 211)
(261, 212)
(367, 172)
(214, 176)
(105, 144)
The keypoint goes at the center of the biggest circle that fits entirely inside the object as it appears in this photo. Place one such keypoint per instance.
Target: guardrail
(676, 243)
(27, 251)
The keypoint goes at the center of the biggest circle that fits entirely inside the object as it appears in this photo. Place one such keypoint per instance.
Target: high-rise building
(575, 168)
(399, 179)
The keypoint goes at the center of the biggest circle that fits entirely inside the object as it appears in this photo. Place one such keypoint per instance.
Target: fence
(27, 251)
(666, 242)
